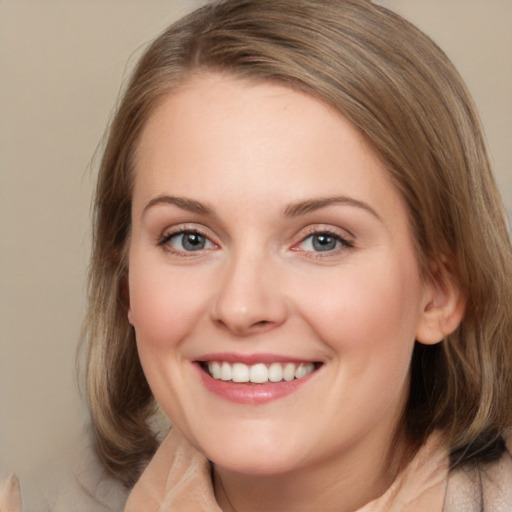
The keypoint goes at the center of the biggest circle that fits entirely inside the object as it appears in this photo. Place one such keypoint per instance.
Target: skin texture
(247, 152)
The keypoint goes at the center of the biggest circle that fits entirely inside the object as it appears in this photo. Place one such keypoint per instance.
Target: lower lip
(247, 393)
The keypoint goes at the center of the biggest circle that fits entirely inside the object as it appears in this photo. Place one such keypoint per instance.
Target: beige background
(61, 65)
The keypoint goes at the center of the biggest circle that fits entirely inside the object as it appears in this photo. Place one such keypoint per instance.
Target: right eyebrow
(310, 205)
(181, 202)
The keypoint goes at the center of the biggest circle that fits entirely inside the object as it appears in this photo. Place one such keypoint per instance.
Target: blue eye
(324, 242)
(187, 241)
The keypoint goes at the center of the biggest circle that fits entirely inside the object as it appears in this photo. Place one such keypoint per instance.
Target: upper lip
(250, 359)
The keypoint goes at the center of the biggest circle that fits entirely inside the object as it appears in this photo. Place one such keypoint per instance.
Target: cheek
(164, 309)
(374, 311)
(164, 306)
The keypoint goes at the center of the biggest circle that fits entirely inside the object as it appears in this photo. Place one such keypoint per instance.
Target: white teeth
(225, 371)
(275, 372)
(289, 372)
(240, 372)
(259, 373)
(214, 368)
(301, 371)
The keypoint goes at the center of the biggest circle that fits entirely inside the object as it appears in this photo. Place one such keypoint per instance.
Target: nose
(249, 299)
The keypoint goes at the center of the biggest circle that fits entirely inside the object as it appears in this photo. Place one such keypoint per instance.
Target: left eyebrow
(310, 205)
(181, 202)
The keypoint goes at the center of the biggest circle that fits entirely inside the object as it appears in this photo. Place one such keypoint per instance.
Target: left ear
(443, 308)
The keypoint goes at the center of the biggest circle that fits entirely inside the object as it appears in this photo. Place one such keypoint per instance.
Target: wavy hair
(401, 91)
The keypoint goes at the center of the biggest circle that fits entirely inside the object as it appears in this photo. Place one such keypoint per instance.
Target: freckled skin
(247, 151)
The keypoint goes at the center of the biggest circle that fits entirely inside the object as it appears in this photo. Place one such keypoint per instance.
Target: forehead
(213, 105)
(218, 135)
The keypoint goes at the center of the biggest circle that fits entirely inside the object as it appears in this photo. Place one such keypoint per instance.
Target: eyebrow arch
(181, 202)
(310, 205)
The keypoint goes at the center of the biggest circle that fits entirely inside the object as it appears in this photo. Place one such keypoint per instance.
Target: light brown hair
(400, 90)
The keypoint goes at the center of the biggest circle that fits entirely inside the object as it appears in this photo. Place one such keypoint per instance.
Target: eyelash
(344, 244)
(165, 240)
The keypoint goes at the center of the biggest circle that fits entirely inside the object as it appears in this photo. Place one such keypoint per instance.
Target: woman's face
(270, 247)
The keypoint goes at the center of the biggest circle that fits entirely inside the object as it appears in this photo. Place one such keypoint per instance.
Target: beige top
(179, 479)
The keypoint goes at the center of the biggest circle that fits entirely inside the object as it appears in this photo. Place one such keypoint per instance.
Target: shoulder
(481, 488)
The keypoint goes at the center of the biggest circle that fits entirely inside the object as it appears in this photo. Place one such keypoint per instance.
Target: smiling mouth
(259, 373)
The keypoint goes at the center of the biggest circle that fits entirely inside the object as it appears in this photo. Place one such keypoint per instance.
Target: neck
(342, 484)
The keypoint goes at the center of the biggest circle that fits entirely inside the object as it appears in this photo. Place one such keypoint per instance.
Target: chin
(254, 456)
(258, 465)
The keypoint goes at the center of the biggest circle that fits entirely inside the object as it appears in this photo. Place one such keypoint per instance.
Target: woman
(301, 256)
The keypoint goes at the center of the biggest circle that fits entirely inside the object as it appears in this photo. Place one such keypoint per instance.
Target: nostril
(245, 312)
(245, 328)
